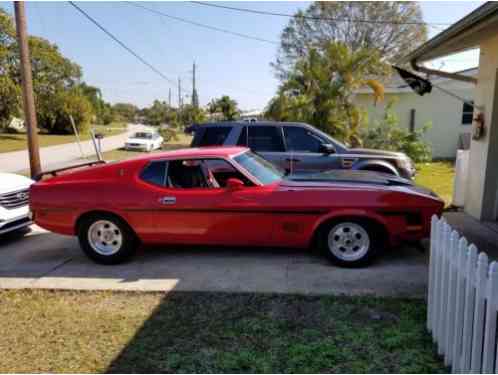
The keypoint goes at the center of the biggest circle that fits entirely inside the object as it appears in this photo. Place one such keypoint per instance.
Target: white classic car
(14, 200)
(144, 141)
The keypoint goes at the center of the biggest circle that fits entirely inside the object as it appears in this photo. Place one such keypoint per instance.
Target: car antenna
(97, 151)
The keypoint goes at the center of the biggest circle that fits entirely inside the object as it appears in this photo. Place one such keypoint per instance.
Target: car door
(305, 151)
(205, 215)
(266, 141)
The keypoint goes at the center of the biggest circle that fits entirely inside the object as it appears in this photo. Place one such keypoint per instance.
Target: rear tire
(106, 239)
(350, 242)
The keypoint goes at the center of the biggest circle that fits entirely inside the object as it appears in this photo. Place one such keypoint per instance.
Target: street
(46, 260)
(61, 155)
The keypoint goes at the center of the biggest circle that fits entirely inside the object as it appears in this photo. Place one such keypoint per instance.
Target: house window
(467, 113)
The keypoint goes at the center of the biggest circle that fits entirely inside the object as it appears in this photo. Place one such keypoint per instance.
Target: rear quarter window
(261, 138)
(214, 136)
(155, 173)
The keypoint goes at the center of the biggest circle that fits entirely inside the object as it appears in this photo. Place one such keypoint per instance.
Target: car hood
(139, 141)
(369, 151)
(10, 182)
(346, 176)
(351, 177)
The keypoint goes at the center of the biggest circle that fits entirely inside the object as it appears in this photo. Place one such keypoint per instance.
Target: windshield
(142, 135)
(263, 170)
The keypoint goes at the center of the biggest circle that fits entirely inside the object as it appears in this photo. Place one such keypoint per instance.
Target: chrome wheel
(348, 242)
(105, 237)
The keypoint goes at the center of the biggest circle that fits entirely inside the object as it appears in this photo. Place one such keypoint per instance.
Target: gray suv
(299, 148)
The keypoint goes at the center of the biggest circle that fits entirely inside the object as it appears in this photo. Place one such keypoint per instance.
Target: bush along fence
(462, 302)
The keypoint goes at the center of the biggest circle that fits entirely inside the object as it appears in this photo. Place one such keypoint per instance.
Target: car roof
(246, 123)
(199, 152)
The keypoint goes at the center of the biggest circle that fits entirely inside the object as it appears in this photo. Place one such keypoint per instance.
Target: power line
(214, 28)
(315, 18)
(113, 37)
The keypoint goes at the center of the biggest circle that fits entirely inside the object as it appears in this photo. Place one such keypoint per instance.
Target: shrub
(388, 135)
(168, 134)
(65, 104)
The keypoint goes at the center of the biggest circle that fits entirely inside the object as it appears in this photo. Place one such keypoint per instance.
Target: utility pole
(195, 96)
(179, 93)
(27, 90)
(169, 97)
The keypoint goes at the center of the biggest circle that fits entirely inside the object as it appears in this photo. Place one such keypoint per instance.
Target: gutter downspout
(458, 77)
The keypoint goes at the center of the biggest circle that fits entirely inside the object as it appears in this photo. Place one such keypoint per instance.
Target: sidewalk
(60, 155)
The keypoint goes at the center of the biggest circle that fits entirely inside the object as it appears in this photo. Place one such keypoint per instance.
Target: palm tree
(325, 83)
(225, 105)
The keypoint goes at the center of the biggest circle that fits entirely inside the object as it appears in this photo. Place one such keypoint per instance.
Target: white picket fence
(462, 302)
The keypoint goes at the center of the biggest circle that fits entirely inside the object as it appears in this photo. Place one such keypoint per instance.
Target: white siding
(442, 110)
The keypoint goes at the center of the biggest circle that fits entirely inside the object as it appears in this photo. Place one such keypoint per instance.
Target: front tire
(106, 239)
(350, 243)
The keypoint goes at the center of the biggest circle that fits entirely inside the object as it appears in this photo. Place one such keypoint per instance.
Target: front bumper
(136, 147)
(11, 220)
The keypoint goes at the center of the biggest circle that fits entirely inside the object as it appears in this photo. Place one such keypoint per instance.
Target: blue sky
(226, 64)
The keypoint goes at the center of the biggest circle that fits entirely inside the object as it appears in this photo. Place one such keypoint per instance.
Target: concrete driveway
(45, 260)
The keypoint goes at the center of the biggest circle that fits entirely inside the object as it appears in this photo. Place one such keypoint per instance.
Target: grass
(64, 331)
(437, 176)
(17, 142)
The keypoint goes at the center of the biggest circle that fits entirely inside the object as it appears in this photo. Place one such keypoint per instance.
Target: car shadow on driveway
(46, 260)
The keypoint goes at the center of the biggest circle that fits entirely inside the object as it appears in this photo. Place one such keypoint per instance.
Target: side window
(186, 174)
(155, 173)
(467, 114)
(219, 171)
(301, 139)
(262, 138)
(215, 136)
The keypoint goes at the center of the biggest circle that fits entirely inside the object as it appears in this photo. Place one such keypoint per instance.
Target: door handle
(167, 200)
(293, 160)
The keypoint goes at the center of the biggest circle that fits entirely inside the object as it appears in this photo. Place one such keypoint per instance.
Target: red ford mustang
(230, 196)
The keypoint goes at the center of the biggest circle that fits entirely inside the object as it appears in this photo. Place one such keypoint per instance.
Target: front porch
(483, 234)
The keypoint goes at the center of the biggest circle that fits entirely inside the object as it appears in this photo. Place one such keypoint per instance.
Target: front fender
(365, 164)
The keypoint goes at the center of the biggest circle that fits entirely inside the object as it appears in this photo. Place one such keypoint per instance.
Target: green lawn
(437, 176)
(16, 142)
(57, 331)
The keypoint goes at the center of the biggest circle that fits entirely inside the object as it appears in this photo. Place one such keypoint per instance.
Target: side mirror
(234, 184)
(327, 148)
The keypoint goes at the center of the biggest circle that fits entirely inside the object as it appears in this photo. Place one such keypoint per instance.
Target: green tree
(103, 111)
(192, 115)
(157, 113)
(390, 39)
(10, 94)
(320, 89)
(10, 101)
(226, 105)
(66, 104)
(125, 111)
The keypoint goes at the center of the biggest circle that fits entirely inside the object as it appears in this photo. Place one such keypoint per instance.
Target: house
(451, 119)
(251, 115)
(478, 29)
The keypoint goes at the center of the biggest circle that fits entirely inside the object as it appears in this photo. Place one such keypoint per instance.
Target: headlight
(405, 163)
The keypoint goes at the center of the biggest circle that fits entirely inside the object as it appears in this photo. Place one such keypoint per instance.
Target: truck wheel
(107, 239)
(350, 243)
